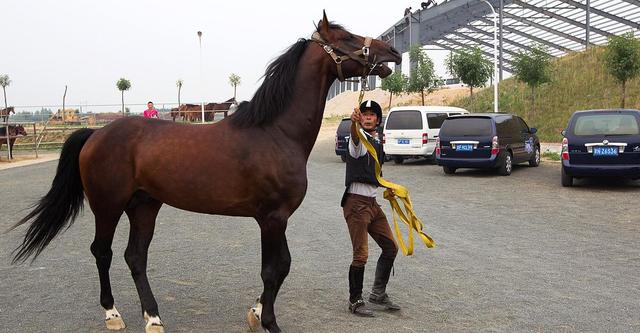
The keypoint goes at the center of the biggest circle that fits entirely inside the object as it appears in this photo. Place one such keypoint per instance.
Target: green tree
(5, 82)
(423, 76)
(234, 80)
(622, 58)
(534, 69)
(123, 85)
(179, 85)
(395, 83)
(470, 67)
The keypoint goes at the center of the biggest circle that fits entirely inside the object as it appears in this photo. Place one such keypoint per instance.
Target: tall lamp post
(495, 56)
(201, 77)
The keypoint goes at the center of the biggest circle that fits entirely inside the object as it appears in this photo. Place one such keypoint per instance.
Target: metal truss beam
(560, 17)
(490, 34)
(480, 41)
(633, 2)
(531, 37)
(465, 46)
(603, 13)
(545, 28)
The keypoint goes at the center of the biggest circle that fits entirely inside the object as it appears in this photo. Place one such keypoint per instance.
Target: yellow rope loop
(393, 193)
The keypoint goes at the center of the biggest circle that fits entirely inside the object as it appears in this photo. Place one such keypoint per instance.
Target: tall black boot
(378, 292)
(356, 303)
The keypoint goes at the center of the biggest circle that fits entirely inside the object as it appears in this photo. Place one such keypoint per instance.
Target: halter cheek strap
(361, 56)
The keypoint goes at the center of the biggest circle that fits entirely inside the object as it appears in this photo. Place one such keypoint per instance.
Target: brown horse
(4, 113)
(175, 112)
(14, 131)
(191, 112)
(134, 165)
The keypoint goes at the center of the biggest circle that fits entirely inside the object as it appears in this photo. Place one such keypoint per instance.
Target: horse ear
(323, 26)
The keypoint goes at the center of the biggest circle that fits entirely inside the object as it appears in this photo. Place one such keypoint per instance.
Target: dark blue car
(486, 140)
(601, 143)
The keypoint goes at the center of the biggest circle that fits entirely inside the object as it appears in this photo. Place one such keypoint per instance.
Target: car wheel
(343, 157)
(506, 166)
(448, 170)
(567, 179)
(535, 161)
(398, 160)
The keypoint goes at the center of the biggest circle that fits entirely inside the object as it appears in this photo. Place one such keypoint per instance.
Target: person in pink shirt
(150, 112)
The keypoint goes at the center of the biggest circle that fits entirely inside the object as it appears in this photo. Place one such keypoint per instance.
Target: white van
(411, 131)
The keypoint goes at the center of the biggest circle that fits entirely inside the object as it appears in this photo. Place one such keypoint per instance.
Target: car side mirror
(533, 130)
(563, 133)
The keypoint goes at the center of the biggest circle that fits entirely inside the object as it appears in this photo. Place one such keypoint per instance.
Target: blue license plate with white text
(605, 151)
(464, 147)
(403, 141)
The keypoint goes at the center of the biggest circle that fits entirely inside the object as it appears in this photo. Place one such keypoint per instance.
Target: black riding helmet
(370, 105)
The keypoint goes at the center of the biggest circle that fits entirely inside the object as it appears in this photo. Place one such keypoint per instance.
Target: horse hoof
(114, 320)
(154, 324)
(253, 317)
(152, 328)
(115, 324)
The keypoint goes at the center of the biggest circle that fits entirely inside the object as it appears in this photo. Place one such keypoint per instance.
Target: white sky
(89, 45)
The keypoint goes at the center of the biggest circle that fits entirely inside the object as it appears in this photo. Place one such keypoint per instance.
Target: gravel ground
(514, 254)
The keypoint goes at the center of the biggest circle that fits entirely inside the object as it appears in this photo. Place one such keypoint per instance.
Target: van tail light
(425, 138)
(384, 138)
(495, 149)
(336, 140)
(438, 147)
(565, 149)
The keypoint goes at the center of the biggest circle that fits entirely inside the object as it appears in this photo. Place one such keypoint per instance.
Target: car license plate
(605, 151)
(403, 141)
(464, 147)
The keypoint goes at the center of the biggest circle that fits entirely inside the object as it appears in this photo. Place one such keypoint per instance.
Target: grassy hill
(580, 82)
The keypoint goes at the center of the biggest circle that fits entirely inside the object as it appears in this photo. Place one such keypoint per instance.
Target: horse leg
(142, 212)
(101, 250)
(11, 142)
(276, 261)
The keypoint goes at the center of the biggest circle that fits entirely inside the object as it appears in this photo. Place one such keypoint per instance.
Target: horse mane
(276, 91)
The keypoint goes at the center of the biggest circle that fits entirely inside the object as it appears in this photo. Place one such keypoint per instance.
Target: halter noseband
(361, 56)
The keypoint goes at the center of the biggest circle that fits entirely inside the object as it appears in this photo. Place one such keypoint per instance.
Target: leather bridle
(361, 56)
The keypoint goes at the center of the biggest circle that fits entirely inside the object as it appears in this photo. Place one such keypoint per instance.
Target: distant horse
(4, 113)
(174, 113)
(134, 165)
(191, 112)
(14, 131)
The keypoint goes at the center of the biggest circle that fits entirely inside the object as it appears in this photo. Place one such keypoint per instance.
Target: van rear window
(345, 126)
(466, 127)
(606, 124)
(435, 120)
(404, 120)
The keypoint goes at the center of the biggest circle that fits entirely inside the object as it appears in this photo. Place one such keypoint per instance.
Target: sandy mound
(343, 104)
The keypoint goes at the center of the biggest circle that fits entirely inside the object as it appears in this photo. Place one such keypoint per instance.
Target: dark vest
(363, 169)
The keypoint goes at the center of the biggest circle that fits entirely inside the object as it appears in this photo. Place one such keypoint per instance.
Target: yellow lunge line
(407, 215)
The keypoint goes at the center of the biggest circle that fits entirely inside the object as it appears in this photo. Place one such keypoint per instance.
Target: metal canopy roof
(560, 25)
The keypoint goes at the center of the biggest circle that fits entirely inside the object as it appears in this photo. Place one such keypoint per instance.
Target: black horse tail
(60, 206)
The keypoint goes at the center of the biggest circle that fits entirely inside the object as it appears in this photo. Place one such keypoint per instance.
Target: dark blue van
(601, 143)
(342, 138)
(486, 140)
(344, 132)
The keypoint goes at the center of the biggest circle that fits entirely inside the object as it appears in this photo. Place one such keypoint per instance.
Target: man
(150, 112)
(427, 3)
(363, 214)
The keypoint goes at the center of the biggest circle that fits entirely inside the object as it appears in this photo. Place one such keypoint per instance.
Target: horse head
(19, 130)
(354, 55)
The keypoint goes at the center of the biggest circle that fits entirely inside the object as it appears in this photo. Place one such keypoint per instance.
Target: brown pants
(365, 217)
